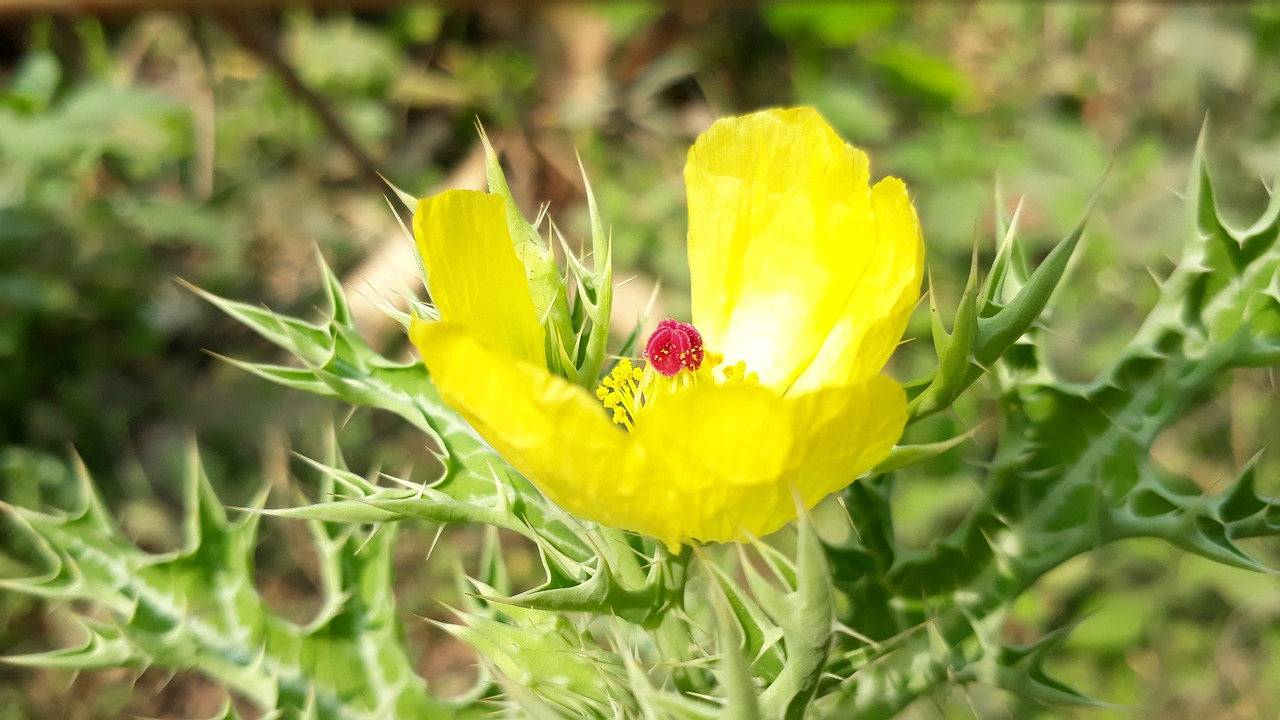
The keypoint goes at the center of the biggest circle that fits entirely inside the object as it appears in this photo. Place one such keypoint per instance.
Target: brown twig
(205, 111)
(244, 29)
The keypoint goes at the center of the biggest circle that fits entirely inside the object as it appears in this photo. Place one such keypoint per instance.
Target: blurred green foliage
(134, 152)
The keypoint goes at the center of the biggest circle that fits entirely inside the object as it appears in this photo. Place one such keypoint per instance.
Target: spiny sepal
(1003, 322)
(802, 605)
(905, 456)
(615, 581)
(759, 638)
(547, 286)
(543, 653)
(735, 673)
(576, 323)
(954, 348)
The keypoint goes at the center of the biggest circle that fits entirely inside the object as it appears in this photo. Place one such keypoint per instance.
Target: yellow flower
(802, 277)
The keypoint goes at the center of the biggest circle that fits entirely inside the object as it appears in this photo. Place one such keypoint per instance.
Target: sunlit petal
(473, 273)
(845, 431)
(725, 463)
(876, 311)
(782, 231)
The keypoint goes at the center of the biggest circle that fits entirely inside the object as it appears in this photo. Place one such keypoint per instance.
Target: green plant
(847, 623)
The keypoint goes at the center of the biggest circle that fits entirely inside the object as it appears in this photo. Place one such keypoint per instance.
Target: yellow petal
(876, 312)
(843, 429)
(473, 273)
(714, 463)
(724, 463)
(782, 232)
(549, 429)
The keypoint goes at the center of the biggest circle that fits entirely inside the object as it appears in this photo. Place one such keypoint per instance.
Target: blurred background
(142, 145)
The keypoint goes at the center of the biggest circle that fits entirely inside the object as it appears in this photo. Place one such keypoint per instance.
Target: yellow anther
(737, 374)
(623, 370)
(618, 392)
(627, 390)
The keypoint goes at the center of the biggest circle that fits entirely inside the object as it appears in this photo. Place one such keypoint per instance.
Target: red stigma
(674, 345)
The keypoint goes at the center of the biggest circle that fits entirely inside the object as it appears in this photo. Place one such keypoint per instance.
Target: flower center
(676, 359)
(674, 346)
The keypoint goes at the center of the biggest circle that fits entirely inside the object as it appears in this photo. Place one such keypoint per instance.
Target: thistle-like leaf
(196, 608)
(1071, 471)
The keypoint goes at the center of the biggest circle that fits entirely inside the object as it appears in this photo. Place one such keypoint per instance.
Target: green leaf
(196, 608)
(998, 331)
(1071, 471)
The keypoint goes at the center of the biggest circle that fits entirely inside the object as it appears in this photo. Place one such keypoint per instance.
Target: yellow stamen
(737, 374)
(627, 389)
(618, 390)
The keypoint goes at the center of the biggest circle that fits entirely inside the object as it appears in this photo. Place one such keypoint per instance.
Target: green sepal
(735, 671)
(584, 354)
(595, 291)
(905, 456)
(991, 317)
(546, 284)
(543, 653)
(805, 611)
(761, 640)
